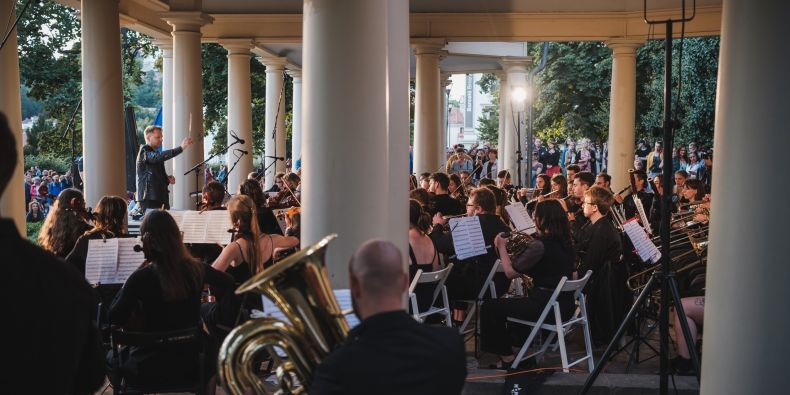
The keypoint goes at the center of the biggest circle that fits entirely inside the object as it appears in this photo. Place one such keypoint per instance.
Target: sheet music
(280, 219)
(217, 225)
(178, 216)
(193, 226)
(467, 237)
(128, 259)
(101, 262)
(647, 251)
(521, 219)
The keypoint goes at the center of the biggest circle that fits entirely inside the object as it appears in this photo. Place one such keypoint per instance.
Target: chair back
(488, 285)
(577, 286)
(438, 277)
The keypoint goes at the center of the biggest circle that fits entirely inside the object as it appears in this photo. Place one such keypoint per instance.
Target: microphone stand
(238, 158)
(198, 167)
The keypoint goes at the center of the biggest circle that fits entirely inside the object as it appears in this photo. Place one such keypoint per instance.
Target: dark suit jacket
(391, 353)
(151, 175)
(50, 343)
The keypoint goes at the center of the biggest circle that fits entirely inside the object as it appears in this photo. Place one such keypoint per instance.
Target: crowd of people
(42, 187)
(191, 285)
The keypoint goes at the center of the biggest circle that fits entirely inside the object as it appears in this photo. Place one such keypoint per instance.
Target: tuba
(300, 288)
(517, 243)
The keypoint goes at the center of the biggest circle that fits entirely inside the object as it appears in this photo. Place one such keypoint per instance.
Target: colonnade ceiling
(478, 32)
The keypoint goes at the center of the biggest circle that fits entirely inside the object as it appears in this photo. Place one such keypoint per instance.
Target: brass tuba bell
(300, 288)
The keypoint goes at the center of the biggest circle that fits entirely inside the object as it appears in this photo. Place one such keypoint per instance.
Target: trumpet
(542, 196)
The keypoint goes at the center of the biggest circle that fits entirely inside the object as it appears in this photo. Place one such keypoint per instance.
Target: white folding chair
(488, 287)
(438, 277)
(559, 327)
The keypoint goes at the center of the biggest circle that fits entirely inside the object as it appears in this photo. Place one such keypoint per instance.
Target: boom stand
(198, 167)
(665, 279)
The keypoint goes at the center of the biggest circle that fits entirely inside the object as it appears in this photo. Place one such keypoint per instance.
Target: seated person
(109, 222)
(267, 222)
(163, 295)
(694, 308)
(548, 258)
(389, 352)
(66, 222)
(422, 254)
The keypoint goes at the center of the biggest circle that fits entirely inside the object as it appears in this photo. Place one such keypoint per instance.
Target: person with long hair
(456, 189)
(422, 253)
(267, 222)
(35, 213)
(547, 258)
(66, 222)
(163, 295)
(559, 183)
(109, 222)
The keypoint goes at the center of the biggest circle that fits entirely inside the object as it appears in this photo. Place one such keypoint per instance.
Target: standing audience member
(64, 334)
(428, 360)
(34, 212)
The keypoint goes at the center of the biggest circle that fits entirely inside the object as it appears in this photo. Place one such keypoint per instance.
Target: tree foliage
(488, 122)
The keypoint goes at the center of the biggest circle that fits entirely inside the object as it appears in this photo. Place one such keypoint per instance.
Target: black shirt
(48, 327)
(546, 260)
(601, 243)
(447, 205)
(391, 353)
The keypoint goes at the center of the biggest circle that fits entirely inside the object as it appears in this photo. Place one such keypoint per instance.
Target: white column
(296, 119)
(622, 112)
(274, 144)
(345, 110)
(12, 202)
(166, 46)
(746, 324)
(428, 138)
(444, 82)
(187, 102)
(239, 110)
(516, 69)
(503, 108)
(398, 124)
(102, 101)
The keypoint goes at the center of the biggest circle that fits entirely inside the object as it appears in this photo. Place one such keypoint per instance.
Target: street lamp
(519, 94)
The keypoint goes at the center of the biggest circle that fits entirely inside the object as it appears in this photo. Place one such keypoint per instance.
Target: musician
(680, 182)
(163, 295)
(547, 258)
(694, 307)
(427, 360)
(66, 222)
(289, 195)
(695, 192)
(442, 202)
(109, 222)
(571, 172)
(212, 196)
(152, 180)
(422, 254)
(49, 343)
(423, 197)
(467, 277)
(456, 190)
(278, 183)
(466, 182)
(640, 181)
(425, 180)
(250, 252)
(542, 187)
(582, 181)
(600, 250)
(267, 222)
(560, 184)
(604, 180)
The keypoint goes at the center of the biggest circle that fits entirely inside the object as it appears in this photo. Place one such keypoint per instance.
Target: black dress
(424, 291)
(546, 260)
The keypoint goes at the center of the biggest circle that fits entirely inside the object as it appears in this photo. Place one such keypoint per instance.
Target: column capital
(127, 21)
(164, 44)
(429, 46)
(236, 46)
(274, 64)
(295, 74)
(186, 21)
(444, 79)
(515, 63)
(624, 46)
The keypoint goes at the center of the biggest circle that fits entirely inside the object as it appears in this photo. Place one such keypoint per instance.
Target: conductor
(152, 180)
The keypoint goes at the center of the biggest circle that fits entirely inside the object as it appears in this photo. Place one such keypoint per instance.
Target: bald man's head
(378, 268)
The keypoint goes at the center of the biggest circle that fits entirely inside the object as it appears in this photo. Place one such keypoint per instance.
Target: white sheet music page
(101, 262)
(343, 297)
(644, 246)
(280, 219)
(128, 259)
(217, 225)
(467, 237)
(193, 225)
(521, 219)
(178, 216)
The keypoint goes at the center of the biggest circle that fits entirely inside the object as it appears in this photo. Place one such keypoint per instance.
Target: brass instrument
(517, 242)
(300, 288)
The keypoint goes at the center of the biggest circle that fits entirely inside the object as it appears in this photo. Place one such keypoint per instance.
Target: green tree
(488, 122)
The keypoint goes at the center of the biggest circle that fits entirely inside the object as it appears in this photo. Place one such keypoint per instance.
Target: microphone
(238, 140)
(241, 150)
(275, 157)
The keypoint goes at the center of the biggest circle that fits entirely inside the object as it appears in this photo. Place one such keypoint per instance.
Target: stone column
(166, 46)
(428, 138)
(622, 112)
(503, 108)
(187, 102)
(275, 117)
(398, 124)
(102, 102)
(12, 202)
(747, 281)
(516, 69)
(296, 120)
(345, 113)
(239, 110)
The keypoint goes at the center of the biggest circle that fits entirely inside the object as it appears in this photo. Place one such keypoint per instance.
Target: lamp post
(447, 111)
(518, 95)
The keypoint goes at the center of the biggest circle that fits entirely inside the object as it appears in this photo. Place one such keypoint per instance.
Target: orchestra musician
(66, 222)
(640, 183)
(442, 202)
(422, 254)
(109, 222)
(547, 258)
(467, 277)
(212, 196)
(289, 196)
(152, 180)
(582, 181)
(456, 190)
(163, 295)
(267, 222)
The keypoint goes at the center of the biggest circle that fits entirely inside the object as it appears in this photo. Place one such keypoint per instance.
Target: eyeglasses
(589, 203)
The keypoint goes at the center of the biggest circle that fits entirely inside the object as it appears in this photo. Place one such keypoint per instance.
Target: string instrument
(284, 199)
